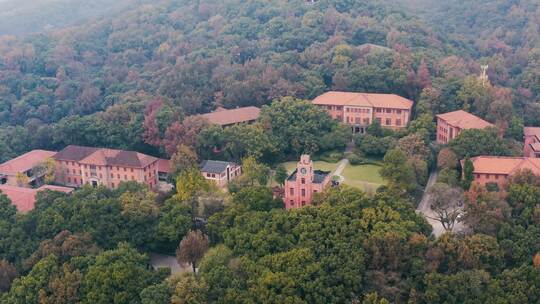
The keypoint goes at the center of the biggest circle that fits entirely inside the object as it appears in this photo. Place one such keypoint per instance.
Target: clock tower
(303, 183)
(305, 168)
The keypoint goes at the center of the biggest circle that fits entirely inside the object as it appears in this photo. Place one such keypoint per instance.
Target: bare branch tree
(446, 202)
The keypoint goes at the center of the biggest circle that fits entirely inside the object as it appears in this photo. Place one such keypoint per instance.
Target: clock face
(303, 171)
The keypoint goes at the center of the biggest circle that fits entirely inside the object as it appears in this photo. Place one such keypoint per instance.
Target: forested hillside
(18, 17)
(503, 34)
(58, 87)
(131, 77)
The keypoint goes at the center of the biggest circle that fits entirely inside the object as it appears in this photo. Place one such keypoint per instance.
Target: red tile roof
(74, 153)
(224, 117)
(164, 165)
(391, 101)
(105, 157)
(464, 120)
(504, 165)
(25, 162)
(25, 198)
(532, 131)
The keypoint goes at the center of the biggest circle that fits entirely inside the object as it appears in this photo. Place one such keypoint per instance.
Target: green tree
(64, 287)
(423, 124)
(462, 287)
(27, 289)
(118, 276)
(183, 159)
(257, 198)
(160, 293)
(373, 298)
(253, 171)
(189, 184)
(296, 126)
(174, 223)
(468, 173)
(449, 177)
(375, 146)
(475, 142)
(140, 211)
(414, 146)
(190, 290)
(249, 141)
(397, 171)
(281, 174)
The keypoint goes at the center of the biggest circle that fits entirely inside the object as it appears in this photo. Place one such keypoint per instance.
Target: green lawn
(366, 173)
(365, 177)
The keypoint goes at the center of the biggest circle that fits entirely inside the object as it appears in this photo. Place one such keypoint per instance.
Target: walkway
(342, 165)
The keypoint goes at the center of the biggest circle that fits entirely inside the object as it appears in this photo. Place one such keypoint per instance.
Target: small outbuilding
(220, 172)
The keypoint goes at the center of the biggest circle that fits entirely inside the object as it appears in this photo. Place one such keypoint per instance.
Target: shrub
(449, 177)
(330, 157)
(355, 159)
(492, 187)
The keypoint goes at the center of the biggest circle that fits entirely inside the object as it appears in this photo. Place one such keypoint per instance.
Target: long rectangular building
(498, 169)
(359, 110)
(76, 166)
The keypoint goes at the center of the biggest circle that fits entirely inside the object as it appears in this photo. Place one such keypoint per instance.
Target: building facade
(498, 169)
(359, 110)
(450, 125)
(220, 172)
(77, 166)
(303, 183)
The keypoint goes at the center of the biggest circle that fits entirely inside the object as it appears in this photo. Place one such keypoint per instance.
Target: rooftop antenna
(484, 77)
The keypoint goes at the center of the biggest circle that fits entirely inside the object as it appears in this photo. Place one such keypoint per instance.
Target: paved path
(424, 203)
(342, 164)
(167, 261)
(425, 210)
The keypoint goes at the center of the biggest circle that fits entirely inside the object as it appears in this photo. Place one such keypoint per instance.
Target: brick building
(450, 125)
(359, 110)
(303, 183)
(76, 166)
(497, 169)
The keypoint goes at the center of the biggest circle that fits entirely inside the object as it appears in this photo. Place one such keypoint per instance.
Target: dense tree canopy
(135, 81)
(89, 84)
